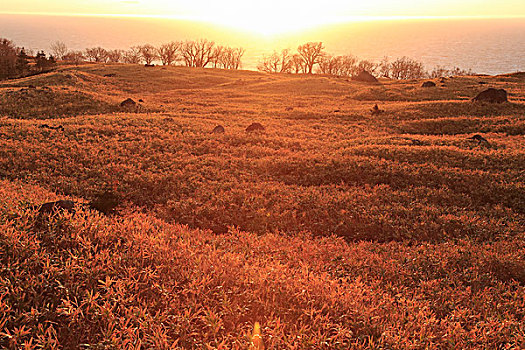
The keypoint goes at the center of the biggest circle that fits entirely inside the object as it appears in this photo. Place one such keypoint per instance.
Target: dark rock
(366, 77)
(46, 126)
(141, 101)
(491, 95)
(375, 110)
(428, 84)
(219, 129)
(149, 65)
(55, 207)
(255, 127)
(481, 83)
(478, 138)
(110, 75)
(31, 86)
(128, 103)
(414, 142)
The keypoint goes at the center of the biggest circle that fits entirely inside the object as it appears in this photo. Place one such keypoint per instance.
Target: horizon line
(204, 19)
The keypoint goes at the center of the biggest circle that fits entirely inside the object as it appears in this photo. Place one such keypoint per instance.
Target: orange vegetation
(333, 229)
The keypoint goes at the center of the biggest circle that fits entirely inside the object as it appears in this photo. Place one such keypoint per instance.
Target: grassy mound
(47, 103)
(86, 281)
(334, 228)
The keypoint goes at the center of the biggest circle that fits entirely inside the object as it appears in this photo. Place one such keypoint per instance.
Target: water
(489, 46)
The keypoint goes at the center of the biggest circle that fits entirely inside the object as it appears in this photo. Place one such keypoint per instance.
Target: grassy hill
(334, 228)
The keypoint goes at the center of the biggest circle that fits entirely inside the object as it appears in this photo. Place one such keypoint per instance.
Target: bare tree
(406, 68)
(198, 53)
(132, 55)
(348, 66)
(456, 72)
(148, 53)
(230, 58)
(277, 62)
(75, 57)
(235, 57)
(188, 53)
(365, 65)
(219, 56)
(115, 56)
(59, 50)
(169, 53)
(297, 64)
(311, 53)
(338, 65)
(384, 68)
(97, 54)
(330, 65)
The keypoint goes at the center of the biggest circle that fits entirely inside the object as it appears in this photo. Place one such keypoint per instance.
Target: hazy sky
(272, 15)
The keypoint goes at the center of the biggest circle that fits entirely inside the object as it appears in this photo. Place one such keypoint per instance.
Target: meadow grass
(332, 229)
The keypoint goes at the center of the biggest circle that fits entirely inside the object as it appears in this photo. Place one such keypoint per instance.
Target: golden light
(263, 17)
(273, 16)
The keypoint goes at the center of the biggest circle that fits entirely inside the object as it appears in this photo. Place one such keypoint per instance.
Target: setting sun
(274, 16)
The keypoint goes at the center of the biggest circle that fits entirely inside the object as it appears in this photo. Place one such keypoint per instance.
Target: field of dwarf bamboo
(333, 228)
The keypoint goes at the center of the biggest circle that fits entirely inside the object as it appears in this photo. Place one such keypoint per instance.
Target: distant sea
(488, 46)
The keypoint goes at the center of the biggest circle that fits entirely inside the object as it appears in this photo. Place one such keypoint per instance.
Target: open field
(334, 228)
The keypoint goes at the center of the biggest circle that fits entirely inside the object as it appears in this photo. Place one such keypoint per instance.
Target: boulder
(255, 127)
(478, 138)
(55, 207)
(491, 95)
(375, 110)
(46, 126)
(128, 103)
(219, 129)
(365, 77)
(428, 84)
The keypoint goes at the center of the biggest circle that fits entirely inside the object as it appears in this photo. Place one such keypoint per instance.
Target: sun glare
(262, 17)
(269, 17)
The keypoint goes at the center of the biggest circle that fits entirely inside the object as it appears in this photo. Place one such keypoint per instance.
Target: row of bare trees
(311, 58)
(200, 53)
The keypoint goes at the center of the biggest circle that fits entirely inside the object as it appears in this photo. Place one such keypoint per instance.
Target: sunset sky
(273, 15)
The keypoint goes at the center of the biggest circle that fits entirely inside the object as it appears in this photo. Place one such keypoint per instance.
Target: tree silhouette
(75, 57)
(132, 55)
(277, 62)
(22, 62)
(115, 56)
(97, 54)
(169, 53)
(59, 50)
(42, 63)
(198, 53)
(7, 59)
(311, 53)
(148, 53)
